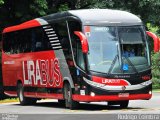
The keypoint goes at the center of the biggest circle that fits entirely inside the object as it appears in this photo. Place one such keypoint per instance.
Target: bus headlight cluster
(147, 83)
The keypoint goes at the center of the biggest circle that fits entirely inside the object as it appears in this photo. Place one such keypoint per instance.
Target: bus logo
(110, 81)
(42, 72)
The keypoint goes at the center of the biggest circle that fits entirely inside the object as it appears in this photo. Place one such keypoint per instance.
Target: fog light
(92, 94)
(150, 92)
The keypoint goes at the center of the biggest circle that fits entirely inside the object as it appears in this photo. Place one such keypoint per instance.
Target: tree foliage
(17, 11)
(1, 2)
(156, 69)
(148, 10)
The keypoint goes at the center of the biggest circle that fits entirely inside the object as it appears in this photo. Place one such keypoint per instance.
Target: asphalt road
(52, 107)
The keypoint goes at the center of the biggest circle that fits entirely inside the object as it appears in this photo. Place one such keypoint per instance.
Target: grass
(9, 100)
(156, 90)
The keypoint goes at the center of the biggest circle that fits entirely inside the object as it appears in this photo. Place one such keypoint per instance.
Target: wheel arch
(19, 82)
(67, 80)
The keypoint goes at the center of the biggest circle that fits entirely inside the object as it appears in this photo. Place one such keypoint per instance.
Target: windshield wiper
(116, 57)
(112, 65)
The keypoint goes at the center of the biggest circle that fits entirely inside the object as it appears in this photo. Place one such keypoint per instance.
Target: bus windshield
(117, 49)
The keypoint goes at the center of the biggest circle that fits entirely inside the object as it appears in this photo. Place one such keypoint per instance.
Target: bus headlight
(146, 83)
(92, 94)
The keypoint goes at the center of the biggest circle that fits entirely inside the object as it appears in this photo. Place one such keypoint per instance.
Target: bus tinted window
(62, 33)
(39, 40)
(24, 41)
(6, 43)
(77, 48)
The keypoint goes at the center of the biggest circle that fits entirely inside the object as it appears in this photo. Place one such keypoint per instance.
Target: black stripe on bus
(43, 90)
(10, 88)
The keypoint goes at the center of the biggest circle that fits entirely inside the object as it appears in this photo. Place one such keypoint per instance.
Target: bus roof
(106, 17)
(99, 17)
(25, 25)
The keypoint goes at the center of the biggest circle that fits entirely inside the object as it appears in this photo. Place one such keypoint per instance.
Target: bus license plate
(123, 95)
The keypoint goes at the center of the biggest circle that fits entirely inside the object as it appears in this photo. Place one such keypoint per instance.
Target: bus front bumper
(119, 97)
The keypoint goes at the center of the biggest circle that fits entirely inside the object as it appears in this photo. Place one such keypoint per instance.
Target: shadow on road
(83, 106)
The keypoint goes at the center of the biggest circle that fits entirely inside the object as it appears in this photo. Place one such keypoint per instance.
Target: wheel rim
(21, 94)
(68, 95)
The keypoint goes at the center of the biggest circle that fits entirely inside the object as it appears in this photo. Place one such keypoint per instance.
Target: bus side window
(62, 33)
(36, 40)
(25, 41)
(80, 58)
(77, 48)
(7, 43)
(38, 46)
(39, 40)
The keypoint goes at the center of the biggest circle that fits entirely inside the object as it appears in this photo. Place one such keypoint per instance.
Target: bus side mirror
(155, 39)
(83, 39)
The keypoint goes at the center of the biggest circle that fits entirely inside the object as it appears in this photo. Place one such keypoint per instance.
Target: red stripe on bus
(87, 98)
(110, 81)
(43, 95)
(29, 24)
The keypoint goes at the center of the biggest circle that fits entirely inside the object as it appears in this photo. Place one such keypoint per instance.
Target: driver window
(76, 45)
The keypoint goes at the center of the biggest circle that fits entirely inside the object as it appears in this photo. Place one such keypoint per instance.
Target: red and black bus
(78, 56)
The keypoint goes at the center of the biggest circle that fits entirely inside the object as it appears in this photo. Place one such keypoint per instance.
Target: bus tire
(124, 104)
(22, 99)
(69, 102)
(61, 102)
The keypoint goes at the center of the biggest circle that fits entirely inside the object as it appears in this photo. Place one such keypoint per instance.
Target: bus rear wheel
(22, 99)
(69, 102)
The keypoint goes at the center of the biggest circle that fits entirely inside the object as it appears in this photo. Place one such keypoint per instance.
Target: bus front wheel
(69, 102)
(61, 102)
(124, 104)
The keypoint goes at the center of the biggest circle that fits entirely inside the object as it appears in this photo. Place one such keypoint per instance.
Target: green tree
(148, 10)
(18, 11)
(155, 58)
(156, 70)
(1, 2)
(63, 5)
